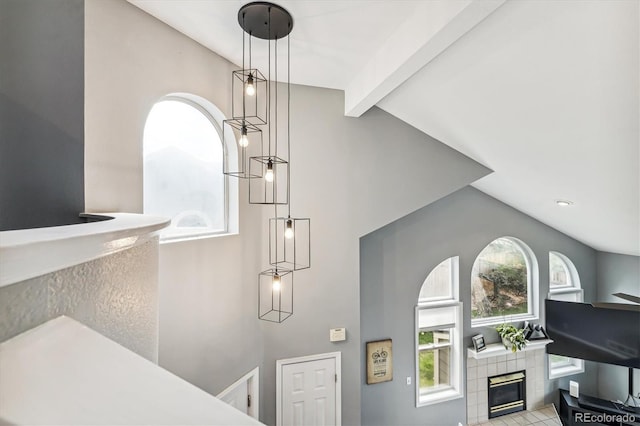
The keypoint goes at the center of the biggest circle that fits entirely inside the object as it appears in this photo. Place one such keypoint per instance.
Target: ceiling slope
(546, 94)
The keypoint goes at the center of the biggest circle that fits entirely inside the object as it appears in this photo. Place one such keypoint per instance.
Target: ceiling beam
(432, 28)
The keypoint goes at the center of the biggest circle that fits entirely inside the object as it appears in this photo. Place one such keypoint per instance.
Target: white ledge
(29, 253)
(497, 349)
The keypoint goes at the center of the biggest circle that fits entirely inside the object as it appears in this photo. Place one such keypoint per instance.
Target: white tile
(511, 366)
(531, 355)
(472, 414)
(472, 398)
(532, 373)
(501, 358)
(472, 385)
(521, 355)
(483, 417)
(483, 361)
(492, 370)
(483, 410)
(482, 371)
(482, 385)
(472, 373)
(483, 397)
(511, 356)
(502, 367)
(521, 364)
(471, 362)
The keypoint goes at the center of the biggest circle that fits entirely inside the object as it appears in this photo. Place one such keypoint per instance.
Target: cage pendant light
(270, 22)
(249, 92)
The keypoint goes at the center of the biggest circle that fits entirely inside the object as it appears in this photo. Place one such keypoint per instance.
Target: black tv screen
(579, 330)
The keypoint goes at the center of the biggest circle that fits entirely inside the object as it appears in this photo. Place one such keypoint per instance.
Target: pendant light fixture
(249, 93)
(271, 23)
(265, 160)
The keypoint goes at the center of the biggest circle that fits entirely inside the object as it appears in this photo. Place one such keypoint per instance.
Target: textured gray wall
(116, 295)
(396, 259)
(617, 273)
(41, 112)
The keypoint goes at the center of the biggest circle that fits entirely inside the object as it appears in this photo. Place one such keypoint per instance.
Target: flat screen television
(579, 330)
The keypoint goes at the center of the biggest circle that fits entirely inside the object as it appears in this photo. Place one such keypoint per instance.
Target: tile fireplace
(497, 361)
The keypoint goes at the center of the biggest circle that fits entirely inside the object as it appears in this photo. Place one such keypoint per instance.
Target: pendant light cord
(289, 124)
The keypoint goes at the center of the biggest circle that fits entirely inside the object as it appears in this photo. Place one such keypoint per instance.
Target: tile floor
(545, 416)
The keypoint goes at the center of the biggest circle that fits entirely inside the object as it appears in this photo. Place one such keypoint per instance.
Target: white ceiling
(545, 93)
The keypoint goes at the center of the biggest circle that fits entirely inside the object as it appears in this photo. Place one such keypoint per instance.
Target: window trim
(454, 390)
(574, 365)
(533, 284)
(228, 145)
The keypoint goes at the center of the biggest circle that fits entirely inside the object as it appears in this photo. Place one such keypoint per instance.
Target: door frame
(253, 378)
(337, 356)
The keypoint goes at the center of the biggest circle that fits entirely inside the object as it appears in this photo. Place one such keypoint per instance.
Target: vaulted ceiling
(545, 93)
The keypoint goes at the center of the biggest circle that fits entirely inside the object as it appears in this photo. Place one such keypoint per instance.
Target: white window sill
(487, 322)
(196, 237)
(438, 397)
(567, 370)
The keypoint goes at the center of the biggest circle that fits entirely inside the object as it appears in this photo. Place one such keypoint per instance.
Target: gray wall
(617, 273)
(41, 112)
(116, 295)
(395, 260)
(350, 176)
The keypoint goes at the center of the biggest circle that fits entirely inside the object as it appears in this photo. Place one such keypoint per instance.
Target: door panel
(309, 393)
(238, 398)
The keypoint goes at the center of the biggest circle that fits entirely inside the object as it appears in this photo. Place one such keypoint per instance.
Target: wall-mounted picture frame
(379, 361)
(478, 343)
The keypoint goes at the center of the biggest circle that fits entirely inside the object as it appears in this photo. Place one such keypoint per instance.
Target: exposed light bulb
(244, 139)
(288, 231)
(275, 282)
(269, 175)
(251, 88)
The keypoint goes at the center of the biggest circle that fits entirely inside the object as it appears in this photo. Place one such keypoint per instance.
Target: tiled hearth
(478, 370)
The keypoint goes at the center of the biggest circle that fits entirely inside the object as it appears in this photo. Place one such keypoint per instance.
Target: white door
(309, 392)
(244, 393)
(238, 398)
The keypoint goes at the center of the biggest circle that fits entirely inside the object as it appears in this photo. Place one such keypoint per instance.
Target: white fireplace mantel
(29, 253)
(497, 349)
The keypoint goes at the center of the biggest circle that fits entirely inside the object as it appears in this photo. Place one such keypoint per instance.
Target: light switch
(408, 380)
(337, 334)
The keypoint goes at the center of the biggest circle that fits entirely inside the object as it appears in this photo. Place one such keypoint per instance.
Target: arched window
(439, 336)
(183, 158)
(504, 283)
(564, 284)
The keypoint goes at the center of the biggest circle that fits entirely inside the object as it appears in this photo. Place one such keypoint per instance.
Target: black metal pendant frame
(265, 20)
(275, 192)
(250, 108)
(292, 253)
(256, 147)
(275, 305)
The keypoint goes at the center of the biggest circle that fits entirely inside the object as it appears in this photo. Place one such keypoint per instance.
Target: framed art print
(379, 361)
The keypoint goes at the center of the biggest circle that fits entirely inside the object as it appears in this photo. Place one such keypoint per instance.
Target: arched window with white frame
(564, 284)
(504, 283)
(438, 331)
(183, 154)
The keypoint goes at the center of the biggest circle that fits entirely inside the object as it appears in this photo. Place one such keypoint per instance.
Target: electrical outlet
(408, 380)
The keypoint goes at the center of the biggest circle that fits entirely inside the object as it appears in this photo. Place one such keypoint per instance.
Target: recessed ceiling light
(564, 203)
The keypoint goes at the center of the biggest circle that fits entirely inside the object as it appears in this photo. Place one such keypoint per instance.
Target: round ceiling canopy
(254, 19)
